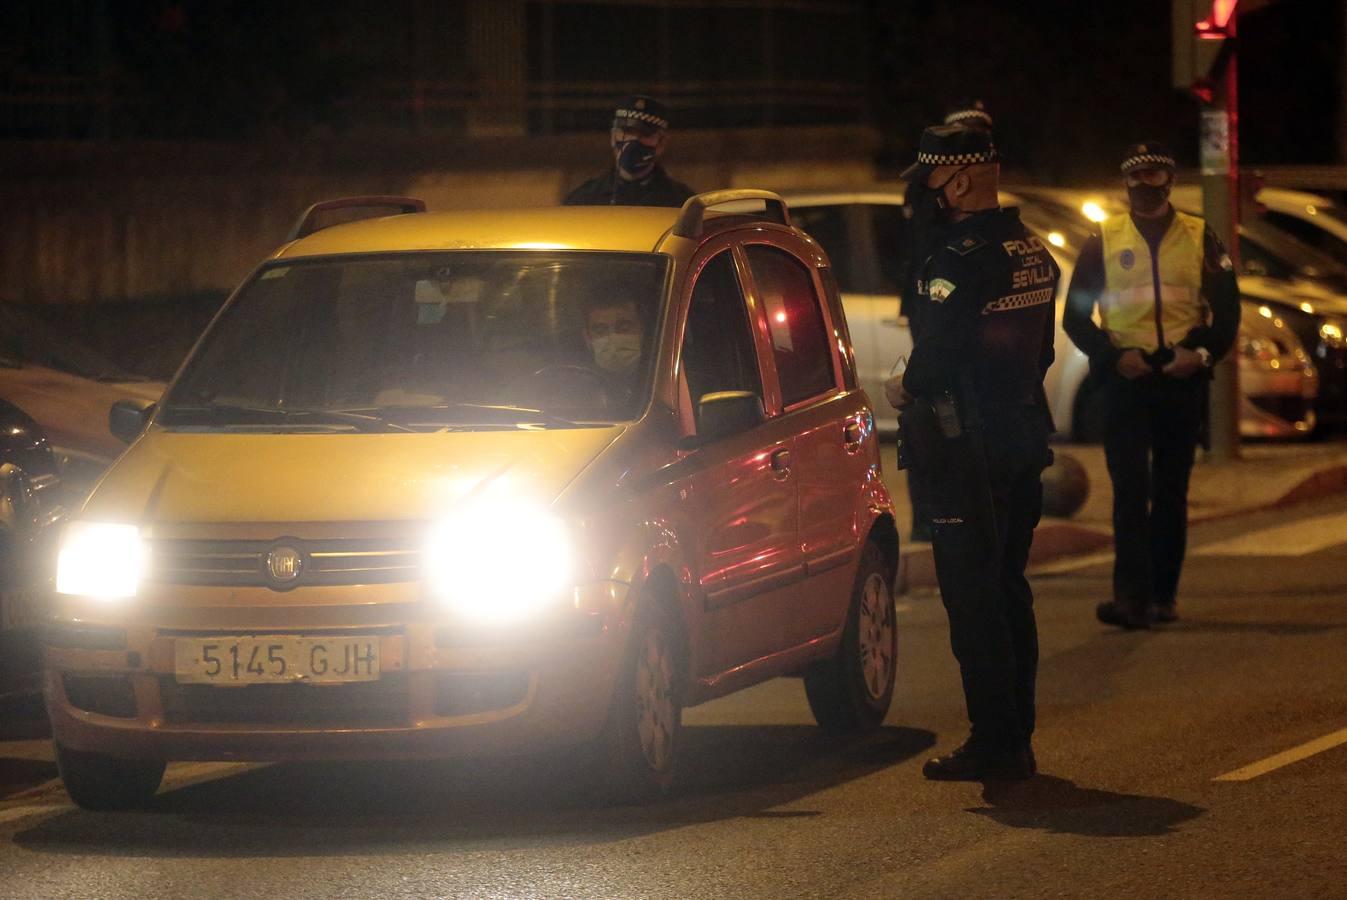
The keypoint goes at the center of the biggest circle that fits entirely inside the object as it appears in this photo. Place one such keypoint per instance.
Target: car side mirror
(128, 418)
(725, 413)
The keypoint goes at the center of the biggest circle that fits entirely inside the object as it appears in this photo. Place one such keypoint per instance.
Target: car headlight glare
(500, 564)
(101, 560)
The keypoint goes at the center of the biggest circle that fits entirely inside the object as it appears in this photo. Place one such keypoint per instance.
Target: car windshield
(425, 341)
(27, 339)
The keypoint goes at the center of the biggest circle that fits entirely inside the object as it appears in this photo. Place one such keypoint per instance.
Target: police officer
(923, 214)
(976, 426)
(1169, 309)
(639, 136)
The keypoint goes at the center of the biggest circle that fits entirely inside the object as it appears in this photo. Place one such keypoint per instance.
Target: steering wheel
(563, 380)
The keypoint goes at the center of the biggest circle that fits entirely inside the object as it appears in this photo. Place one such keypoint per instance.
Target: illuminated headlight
(498, 565)
(1332, 334)
(100, 560)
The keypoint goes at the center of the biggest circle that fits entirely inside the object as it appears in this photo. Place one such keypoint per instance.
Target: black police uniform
(656, 189)
(987, 342)
(1153, 424)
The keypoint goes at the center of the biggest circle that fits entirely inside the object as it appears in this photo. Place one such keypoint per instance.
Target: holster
(953, 472)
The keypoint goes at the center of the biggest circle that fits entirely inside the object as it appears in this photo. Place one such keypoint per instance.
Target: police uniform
(1158, 282)
(655, 188)
(976, 434)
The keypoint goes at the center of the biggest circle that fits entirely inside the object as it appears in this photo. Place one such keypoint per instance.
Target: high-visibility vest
(1127, 308)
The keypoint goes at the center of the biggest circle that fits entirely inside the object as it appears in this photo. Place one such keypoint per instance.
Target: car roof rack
(693, 213)
(308, 223)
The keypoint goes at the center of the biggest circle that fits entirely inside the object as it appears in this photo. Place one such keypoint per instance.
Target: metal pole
(1220, 207)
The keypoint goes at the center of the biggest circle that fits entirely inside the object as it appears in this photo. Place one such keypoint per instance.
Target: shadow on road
(374, 808)
(1058, 806)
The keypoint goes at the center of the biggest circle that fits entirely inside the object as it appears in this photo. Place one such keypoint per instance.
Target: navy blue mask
(635, 158)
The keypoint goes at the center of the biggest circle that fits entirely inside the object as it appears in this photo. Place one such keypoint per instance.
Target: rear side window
(718, 352)
(800, 340)
(828, 226)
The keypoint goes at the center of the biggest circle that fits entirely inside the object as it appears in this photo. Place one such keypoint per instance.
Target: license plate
(276, 659)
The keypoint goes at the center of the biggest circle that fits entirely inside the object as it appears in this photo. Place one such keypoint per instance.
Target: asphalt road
(1135, 728)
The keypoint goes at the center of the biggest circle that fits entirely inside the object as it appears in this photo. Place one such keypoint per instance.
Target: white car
(864, 233)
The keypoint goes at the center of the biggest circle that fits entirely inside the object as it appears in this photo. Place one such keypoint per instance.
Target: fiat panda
(479, 483)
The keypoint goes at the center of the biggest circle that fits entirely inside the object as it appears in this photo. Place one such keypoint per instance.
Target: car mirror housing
(726, 413)
(128, 418)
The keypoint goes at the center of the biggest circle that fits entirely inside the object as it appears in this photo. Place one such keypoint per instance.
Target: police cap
(972, 113)
(642, 114)
(1148, 155)
(950, 145)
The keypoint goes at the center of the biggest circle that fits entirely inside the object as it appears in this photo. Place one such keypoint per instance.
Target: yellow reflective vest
(1134, 309)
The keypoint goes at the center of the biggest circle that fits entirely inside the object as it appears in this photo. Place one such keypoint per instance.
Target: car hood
(198, 478)
(71, 409)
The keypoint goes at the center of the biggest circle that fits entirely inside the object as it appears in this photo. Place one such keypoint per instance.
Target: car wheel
(852, 691)
(98, 781)
(645, 722)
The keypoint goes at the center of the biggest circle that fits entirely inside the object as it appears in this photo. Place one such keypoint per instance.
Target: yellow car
(474, 483)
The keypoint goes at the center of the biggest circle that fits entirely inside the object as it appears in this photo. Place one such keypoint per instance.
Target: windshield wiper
(511, 415)
(361, 421)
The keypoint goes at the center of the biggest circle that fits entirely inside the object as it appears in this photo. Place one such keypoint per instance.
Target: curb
(1055, 540)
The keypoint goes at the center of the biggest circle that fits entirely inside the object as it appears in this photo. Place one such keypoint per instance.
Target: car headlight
(100, 559)
(1332, 334)
(500, 564)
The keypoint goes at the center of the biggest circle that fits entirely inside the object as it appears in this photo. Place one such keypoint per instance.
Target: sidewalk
(1267, 475)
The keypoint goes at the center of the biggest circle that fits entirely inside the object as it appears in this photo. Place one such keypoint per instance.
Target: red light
(781, 317)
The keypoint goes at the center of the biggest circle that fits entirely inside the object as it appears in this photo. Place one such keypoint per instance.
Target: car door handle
(781, 463)
(852, 433)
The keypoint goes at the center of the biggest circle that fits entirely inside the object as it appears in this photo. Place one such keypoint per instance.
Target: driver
(615, 336)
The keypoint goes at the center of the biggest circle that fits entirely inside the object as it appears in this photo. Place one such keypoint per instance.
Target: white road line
(1285, 758)
(1299, 538)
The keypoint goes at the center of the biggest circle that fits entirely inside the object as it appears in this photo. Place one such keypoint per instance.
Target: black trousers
(986, 498)
(1151, 433)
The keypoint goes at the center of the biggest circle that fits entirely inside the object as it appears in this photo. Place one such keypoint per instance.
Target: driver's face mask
(616, 352)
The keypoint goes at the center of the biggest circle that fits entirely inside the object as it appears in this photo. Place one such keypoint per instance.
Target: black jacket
(658, 189)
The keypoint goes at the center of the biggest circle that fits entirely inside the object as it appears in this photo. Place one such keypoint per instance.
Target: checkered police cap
(641, 110)
(1148, 155)
(951, 145)
(973, 113)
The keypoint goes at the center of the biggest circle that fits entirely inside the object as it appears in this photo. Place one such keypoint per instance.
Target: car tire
(642, 736)
(851, 692)
(100, 782)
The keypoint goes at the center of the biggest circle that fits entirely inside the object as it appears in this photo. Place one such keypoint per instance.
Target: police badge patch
(940, 289)
(1128, 259)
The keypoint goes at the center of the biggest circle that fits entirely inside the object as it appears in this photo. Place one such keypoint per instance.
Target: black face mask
(1147, 199)
(929, 208)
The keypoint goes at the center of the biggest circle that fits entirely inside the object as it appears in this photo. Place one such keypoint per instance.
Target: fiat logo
(284, 565)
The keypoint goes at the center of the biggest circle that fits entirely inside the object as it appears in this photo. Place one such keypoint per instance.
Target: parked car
(1290, 284)
(864, 233)
(67, 388)
(1311, 218)
(446, 484)
(32, 508)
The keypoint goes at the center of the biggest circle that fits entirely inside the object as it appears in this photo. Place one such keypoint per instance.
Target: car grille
(1287, 408)
(368, 704)
(243, 563)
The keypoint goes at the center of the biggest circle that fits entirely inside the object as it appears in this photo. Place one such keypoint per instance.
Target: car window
(458, 338)
(800, 343)
(828, 226)
(1310, 233)
(891, 245)
(1255, 260)
(718, 352)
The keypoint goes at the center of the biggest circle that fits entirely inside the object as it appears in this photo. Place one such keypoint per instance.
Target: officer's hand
(1132, 365)
(895, 393)
(1184, 364)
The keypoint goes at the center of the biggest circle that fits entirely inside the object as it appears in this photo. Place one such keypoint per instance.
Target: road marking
(1299, 538)
(1285, 758)
(23, 812)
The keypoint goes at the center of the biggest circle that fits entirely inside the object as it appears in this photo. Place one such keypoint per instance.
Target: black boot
(1164, 613)
(1115, 613)
(973, 763)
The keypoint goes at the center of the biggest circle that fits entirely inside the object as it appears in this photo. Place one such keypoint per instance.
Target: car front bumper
(443, 691)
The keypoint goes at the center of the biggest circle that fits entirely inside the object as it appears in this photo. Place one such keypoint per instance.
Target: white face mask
(616, 352)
